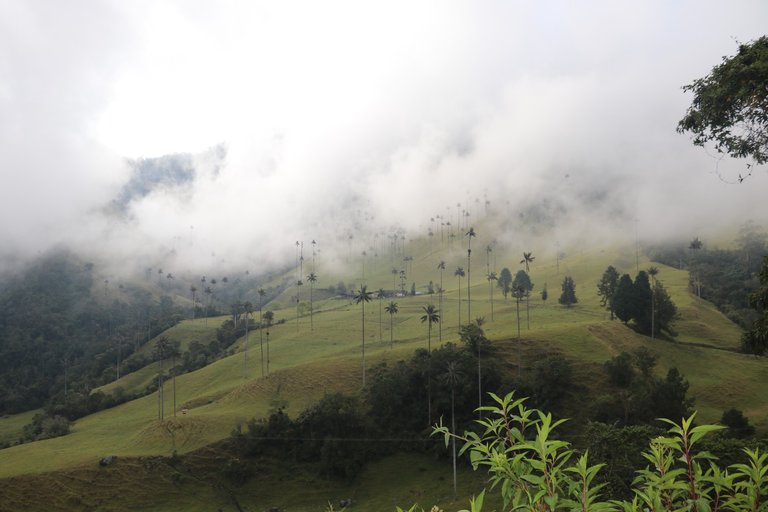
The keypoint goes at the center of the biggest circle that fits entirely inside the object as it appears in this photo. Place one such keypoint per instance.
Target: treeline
(725, 277)
(403, 400)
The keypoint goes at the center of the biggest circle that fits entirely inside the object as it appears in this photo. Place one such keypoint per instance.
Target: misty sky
(395, 109)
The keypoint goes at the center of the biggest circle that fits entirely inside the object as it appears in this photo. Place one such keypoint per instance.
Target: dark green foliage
(551, 381)
(568, 297)
(633, 300)
(620, 370)
(53, 321)
(334, 433)
(606, 288)
(473, 337)
(669, 396)
(621, 450)
(505, 281)
(640, 397)
(44, 426)
(730, 104)
(738, 424)
(665, 310)
(521, 285)
(642, 303)
(623, 299)
(397, 394)
(755, 340)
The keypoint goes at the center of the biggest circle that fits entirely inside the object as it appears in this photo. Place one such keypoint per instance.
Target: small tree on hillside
(568, 297)
(505, 281)
(606, 288)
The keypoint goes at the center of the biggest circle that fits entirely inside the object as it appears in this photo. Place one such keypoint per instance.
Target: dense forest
(61, 333)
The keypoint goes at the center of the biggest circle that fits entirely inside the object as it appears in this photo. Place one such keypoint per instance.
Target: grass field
(308, 360)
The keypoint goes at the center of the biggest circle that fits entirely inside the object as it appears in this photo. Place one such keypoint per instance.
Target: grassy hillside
(309, 358)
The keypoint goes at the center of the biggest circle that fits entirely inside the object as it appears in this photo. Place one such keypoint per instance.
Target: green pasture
(311, 356)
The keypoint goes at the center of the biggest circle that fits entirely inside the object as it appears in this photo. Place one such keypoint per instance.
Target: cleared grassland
(306, 361)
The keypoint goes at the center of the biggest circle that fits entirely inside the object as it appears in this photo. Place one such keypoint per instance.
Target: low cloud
(305, 121)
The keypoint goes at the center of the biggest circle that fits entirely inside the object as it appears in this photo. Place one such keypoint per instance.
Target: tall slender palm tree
(312, 278)
(440, 267)
(653, 272)
(299, 284)
(193, 290)
(527, 260)
(380, 293)
(488, 251)
(261, 293)
(248, 309)
(470, 235)
(696, 245)
(459, 272)
(361, 297)
(269, 316)
(392, 309)
(208, 292)
(451, 377)
(430, 316)
(162, 346)
(491, 278)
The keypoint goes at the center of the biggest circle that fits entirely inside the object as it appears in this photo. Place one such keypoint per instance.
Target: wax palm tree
(440, 267)
(162, 346)
(312, 278)
(392, 309)
(248, 309)
(653, 272)
(470, 235)
(208, 292)
(527, 260)
(361, 297)
(261, 293)
(299, 284)
(380, 292)
(696, 245)
(269, 316)
(491, 278)
(193, 290)
(452, 377)
(459, 272)
(430, 316)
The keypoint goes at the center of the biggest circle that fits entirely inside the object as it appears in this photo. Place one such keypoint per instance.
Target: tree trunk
(453, 438)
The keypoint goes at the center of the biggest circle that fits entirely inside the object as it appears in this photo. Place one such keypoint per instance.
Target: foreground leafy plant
(535, 472)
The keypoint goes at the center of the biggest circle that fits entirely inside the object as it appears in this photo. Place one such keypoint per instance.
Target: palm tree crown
(527, 260)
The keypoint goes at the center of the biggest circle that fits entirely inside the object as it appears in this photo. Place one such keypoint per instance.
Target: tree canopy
(730, 105)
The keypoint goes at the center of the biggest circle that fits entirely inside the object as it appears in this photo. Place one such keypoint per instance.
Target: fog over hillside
(197, 133)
